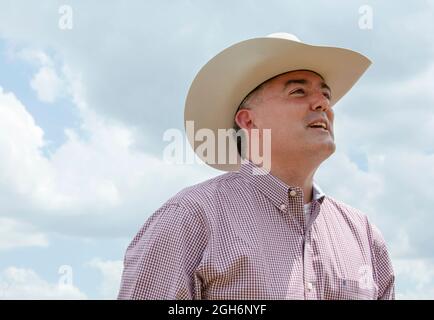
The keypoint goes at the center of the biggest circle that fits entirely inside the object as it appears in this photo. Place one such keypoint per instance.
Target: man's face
(288, 105)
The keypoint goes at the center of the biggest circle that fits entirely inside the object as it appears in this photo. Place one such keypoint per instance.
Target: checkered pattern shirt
(246, 236)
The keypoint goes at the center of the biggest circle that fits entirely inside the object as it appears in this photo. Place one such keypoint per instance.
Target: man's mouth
(319, 125)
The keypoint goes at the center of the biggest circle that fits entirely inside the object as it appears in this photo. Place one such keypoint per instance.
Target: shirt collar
(272, 187)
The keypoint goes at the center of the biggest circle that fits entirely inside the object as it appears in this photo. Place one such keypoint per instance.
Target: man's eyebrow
(292, 81)
(325, 86)
(304, 81)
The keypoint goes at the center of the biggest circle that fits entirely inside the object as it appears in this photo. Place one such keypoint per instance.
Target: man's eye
(327, 95)
(298, 91)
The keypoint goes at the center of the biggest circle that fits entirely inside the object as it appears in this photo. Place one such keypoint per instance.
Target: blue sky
(83, 112)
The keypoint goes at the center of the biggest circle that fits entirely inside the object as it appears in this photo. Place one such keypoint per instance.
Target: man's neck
(296, 177)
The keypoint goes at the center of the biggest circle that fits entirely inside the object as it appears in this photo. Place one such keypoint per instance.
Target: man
(263, 232)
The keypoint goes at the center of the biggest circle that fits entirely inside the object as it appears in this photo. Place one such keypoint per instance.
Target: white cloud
(97, 171)
(47, 84)
(360, 188)
(15, 234)
(34, 57)
(111, 272)
(19, 283)
(23, 168)
(417, 278)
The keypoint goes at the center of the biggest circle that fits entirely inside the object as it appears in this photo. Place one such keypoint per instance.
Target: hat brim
(223, 82)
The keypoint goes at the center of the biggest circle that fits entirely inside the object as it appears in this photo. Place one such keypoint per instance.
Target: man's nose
(320, 102)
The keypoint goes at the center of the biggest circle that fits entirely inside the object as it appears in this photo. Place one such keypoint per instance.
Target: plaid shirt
(245, 236)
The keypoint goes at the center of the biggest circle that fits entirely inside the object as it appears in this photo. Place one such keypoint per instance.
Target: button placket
(295, 197)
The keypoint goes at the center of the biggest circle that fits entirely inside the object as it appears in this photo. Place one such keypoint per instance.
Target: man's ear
(244, 119)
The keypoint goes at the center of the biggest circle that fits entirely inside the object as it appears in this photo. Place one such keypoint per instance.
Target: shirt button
(283, 207)
(293, 193)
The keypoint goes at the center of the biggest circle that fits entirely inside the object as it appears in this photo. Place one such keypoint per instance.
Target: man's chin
(329, 148)
(325, 149)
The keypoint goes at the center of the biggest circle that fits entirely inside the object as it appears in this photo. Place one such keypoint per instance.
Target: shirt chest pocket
(349, 289)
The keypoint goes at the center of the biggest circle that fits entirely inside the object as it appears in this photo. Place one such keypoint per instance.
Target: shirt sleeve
(161, 260)
(383, 267)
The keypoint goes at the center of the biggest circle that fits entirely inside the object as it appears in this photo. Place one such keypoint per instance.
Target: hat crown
(284, 35)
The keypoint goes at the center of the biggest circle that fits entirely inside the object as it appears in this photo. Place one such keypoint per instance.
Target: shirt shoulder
(196, 203)
(347, 211)
(360, 218)
(206, 193)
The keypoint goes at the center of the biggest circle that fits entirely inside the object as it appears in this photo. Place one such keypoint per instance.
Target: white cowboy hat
(222, 83)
